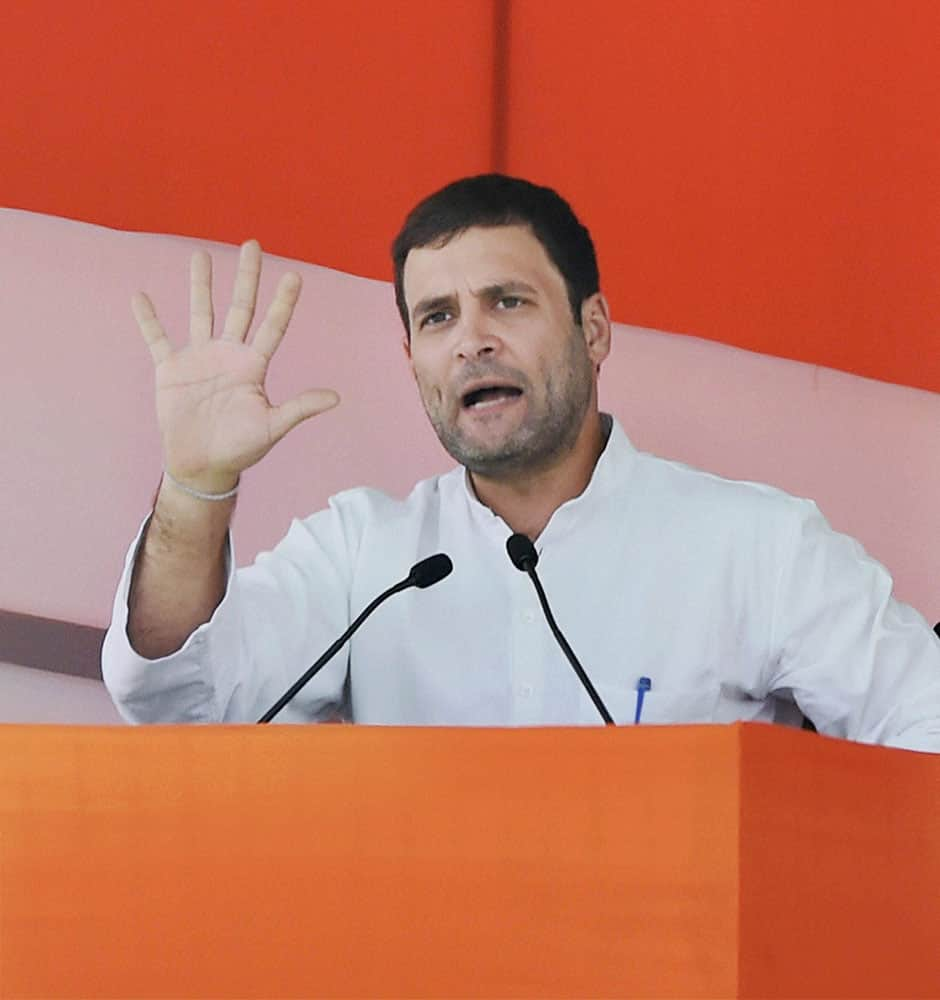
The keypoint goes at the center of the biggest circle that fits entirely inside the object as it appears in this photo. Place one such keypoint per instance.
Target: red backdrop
(764, 174)
(312, 126)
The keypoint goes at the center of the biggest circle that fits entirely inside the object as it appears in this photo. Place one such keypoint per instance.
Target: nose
(475, 337)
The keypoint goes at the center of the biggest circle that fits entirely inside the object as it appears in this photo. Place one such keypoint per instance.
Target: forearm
(180, 572)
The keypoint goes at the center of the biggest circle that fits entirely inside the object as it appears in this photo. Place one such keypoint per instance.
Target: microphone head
(429, 571)
(522, 552)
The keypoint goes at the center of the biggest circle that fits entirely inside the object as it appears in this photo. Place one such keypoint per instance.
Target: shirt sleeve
(275, 619)
(860, 664)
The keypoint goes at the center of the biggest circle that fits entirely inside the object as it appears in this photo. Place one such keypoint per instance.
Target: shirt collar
(610, 473)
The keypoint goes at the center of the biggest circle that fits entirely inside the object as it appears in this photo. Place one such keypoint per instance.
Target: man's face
(506, 377)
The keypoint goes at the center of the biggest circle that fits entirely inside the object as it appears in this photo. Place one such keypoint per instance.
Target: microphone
(427, 572)
(422, 575)
(525, 558)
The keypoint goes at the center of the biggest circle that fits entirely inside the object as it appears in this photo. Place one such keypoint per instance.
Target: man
(732, 600)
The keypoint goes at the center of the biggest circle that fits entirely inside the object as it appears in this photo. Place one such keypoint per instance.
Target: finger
(200, 297)
(308, 404)
(245, 294)
(153, 333)
(278, 316)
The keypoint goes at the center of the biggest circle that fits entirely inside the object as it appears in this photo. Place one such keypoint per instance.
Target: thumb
(293, 411)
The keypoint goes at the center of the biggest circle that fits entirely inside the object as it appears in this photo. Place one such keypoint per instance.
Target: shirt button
(526, 690)
(528, 617)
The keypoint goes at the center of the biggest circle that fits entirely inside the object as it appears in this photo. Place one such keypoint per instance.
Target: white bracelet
(198, 494)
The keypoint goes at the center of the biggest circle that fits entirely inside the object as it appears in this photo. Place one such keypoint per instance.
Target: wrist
(215, 488)
(182, 523)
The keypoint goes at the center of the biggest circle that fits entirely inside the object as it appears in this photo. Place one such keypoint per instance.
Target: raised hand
(214, 416)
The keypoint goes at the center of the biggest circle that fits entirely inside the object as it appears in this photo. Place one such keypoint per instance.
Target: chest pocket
(661, 706)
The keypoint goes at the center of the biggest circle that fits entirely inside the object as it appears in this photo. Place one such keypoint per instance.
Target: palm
(212, 409)
(214, 416)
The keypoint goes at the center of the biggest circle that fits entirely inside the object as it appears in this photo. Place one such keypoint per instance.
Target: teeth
(492, 401)
(489, 394)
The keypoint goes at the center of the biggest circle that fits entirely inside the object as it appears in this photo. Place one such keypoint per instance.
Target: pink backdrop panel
(81, 457)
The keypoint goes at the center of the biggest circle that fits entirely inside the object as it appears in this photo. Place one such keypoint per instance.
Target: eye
(435, 318)
(510, 302)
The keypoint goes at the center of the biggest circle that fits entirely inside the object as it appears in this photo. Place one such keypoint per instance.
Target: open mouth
(489, 395)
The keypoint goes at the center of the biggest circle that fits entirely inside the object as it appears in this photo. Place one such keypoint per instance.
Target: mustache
(477, 371)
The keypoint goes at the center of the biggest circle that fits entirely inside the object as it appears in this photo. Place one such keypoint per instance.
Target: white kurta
(733, 598)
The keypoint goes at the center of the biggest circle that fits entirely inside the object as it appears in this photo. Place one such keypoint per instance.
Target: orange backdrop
(310, 125)
(766, 174)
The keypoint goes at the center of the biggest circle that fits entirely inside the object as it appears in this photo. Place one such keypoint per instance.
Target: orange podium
(346, 861)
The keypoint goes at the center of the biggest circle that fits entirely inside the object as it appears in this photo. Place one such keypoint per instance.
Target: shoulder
(709, 503)
(686, 481)
(368, 505)
(356, 521)
(667, 484)
(354, 514)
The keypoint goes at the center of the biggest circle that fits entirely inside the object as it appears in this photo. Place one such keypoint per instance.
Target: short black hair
(491, 200)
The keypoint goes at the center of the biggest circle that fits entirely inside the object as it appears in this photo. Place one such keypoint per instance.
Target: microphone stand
(423, 574)
(524, 557)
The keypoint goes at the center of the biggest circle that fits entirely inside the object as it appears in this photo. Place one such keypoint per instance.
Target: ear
(595, 322)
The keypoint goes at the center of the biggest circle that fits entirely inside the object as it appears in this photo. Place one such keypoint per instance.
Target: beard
(548, 430)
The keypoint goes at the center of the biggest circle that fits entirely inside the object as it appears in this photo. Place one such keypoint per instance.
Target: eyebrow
(431, 305)
(491, 292)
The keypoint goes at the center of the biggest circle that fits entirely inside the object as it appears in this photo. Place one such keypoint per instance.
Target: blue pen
(642, 686)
